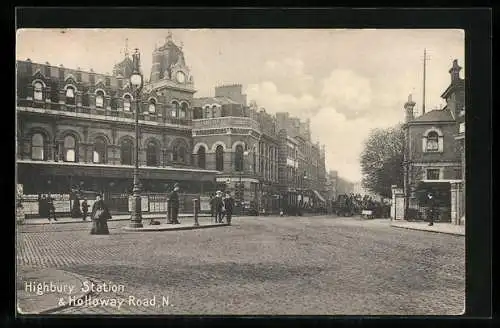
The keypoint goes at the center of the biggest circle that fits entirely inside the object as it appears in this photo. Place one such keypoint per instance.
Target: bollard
(169, 212)
(195, 212)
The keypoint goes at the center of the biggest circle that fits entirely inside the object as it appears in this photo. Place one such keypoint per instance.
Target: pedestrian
(212, 206)
(100, 216)
(219, 207)
(174, 205)
(432, 204)
(51, 208)
(85, 209)
(228, 205)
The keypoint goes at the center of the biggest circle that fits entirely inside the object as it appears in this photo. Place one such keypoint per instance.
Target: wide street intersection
(259, 265)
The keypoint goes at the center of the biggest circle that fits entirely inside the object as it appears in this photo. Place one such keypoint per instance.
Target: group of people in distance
(221, 207)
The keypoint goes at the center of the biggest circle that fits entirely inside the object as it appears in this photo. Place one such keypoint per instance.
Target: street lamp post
(136, 80)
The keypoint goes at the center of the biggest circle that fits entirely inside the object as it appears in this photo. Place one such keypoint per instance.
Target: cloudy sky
(346, 81)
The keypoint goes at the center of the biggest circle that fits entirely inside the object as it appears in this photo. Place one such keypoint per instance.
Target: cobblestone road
(261, 266)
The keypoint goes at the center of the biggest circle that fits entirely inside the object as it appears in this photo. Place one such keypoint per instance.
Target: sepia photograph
(240, 171)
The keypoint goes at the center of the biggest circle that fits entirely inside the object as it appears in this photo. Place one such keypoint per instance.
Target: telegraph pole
(426, 58)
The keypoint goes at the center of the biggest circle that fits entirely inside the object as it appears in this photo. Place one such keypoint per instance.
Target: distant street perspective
(259, 265)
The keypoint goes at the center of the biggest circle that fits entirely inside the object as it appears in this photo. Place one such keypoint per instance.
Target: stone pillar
(397, 206)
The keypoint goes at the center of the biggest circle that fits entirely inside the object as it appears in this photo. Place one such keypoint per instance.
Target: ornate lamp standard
(136, 80)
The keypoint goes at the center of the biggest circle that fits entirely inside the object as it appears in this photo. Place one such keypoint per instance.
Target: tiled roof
(200, 102)
(437, 115)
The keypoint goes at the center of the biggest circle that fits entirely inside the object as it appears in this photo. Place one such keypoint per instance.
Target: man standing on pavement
(432, 205)
(85, 209)
(51, 208)
(174, 204)
(229, 205)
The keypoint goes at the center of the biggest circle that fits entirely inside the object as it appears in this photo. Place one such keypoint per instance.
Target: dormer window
(99, 99)
(38, 91)
(126, 103)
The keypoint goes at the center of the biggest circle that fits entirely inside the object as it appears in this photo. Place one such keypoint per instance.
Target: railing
(225, 122)
(103, 112)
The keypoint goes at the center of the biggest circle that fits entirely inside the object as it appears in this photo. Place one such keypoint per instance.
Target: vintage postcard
(240, 171)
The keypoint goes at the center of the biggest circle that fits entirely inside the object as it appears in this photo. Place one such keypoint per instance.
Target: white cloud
(266, 95)
(346, 90)
(344, 139)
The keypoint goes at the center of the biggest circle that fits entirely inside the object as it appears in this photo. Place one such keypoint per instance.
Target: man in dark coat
(219, 207)
(432, 209)
(229, 205)
(51, 208)
(85, 209)
(100, 215)
(174, 205)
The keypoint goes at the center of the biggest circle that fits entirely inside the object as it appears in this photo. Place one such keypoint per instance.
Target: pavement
(439, 227)
(256, 266)
(47, 290)
(117, 217)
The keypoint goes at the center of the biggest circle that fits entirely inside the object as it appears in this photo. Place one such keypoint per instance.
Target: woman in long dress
(100, 215)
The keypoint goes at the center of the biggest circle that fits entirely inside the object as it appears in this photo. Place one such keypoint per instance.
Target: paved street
(260, 265)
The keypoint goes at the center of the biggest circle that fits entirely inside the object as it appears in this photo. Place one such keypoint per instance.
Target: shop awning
(319, 196)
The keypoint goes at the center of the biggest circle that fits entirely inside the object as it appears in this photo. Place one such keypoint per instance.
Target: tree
(382, 160)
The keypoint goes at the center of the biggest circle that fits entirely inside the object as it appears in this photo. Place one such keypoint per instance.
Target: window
(174, 154)
(79, 76)
(38, 91)
(183, 112)
(254, 161)
(152, 106)
(219, 158)
(126, 152)
(461, 127)
(108, 82)
(208, 113)
(70, 96)
(238, 158)
(458, 174)
(99, 99)
(182, 154)
(69, 149)
(432, 141)
(175, 109)
(433, 174)
(92, 79)
(126, 103)
(37, 147)
(202, 157)
(99, 155)
(151, 154)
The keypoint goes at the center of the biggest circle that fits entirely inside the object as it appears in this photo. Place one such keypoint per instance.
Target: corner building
(76, 129)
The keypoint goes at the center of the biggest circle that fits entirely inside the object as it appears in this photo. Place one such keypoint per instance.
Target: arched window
(175, 154)
(202, 157)
(151, 154)
(254, 161)
(126, 103)
(152, 106)
(208, 112)
(70, 96)
(37, 147)
(99, 154)
(183, 111)
(175, 109)
(182, 155)
(99, 99)
(70, 149)
(219, 158)
(126, 150)
(214, 111)
(38, 91)
(432, 141)
(238, 158)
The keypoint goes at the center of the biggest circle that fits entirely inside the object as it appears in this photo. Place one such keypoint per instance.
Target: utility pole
(426, 58)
